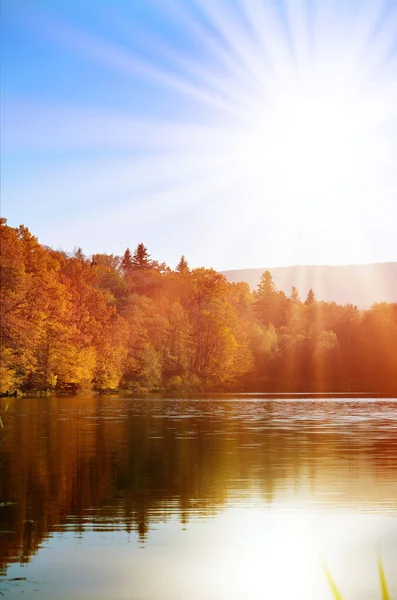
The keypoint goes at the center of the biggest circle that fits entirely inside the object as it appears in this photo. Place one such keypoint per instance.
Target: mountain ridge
(358, 284)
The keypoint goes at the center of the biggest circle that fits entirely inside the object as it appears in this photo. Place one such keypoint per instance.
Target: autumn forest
(72, 323)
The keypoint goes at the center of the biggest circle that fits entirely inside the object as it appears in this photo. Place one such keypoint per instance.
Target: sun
(317, 136)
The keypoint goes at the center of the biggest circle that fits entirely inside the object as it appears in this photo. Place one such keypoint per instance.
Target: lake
(224, 497)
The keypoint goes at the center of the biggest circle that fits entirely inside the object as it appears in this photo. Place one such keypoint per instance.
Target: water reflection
(114, 464)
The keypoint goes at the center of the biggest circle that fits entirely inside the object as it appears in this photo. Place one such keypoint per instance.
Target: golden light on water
(281, 554)
(224, 499)
(242, 553)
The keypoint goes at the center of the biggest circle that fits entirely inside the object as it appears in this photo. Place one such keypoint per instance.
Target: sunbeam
(297, 100)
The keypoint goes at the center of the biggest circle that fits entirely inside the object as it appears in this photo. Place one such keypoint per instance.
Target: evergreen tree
(266, 286)
(311, 298)
(266, 298)
(183, 266)
(126, 262)
(79, 254)
(141, 258)
(295, 295)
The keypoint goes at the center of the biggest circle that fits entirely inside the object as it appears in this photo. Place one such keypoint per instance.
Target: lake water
(222, 498)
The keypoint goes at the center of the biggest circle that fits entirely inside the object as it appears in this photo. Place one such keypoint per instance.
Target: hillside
(362, 285)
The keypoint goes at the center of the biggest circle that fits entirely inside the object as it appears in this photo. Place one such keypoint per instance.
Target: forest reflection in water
(231, 473)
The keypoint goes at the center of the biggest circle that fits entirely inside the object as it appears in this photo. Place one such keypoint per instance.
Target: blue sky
(242, 133)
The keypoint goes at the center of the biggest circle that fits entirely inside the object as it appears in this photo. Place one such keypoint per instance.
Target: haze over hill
(362, 285)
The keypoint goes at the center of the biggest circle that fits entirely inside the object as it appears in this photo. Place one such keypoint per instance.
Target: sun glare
(280, 554)
(284, 111)
(317, 138)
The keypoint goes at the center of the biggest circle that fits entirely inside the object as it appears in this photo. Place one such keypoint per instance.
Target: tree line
(72, 323)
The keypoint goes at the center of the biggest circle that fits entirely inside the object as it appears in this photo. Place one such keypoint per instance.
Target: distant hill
(356, 284)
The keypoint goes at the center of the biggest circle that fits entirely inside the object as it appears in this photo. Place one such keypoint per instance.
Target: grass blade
(332, 585)
(383, 584)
